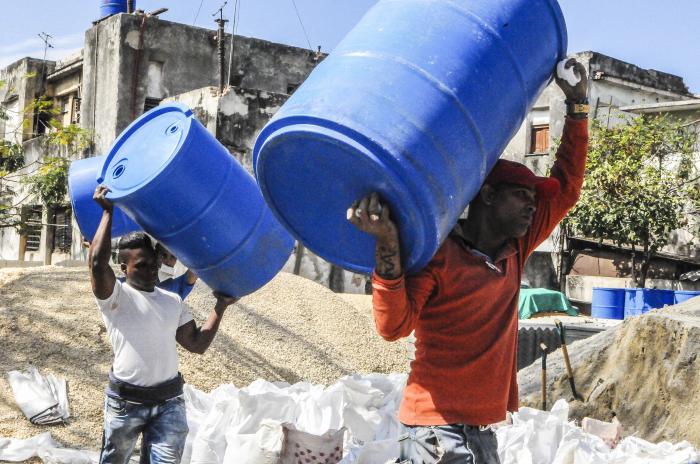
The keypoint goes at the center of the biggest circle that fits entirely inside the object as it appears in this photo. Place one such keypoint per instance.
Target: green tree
(640, 185)
(46, 179)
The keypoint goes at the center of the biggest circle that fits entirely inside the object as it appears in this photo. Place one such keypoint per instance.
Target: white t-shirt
(141, 327)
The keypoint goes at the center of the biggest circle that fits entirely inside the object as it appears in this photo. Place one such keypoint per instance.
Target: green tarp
(542, 300)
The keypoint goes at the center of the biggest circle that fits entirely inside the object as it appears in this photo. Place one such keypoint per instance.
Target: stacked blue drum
(621, 303)
(417, 103)
(679, 296)
(177, 182)
(608, 303)
(640, 300)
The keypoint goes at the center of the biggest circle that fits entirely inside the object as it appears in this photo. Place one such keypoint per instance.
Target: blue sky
(649, 33)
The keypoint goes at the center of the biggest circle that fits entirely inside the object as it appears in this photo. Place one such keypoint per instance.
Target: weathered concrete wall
(242, 113)
(129, 58)
(204, 104)
(263, 65)
(540, 271)
(100, 87)
(22, 80)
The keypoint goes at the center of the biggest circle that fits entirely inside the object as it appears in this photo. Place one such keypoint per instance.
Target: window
(62, 229)
(539, 138)
(31, 222)
(75, 114)
(151, 103)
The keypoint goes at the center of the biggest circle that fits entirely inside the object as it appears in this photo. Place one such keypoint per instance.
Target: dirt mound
(645, 371)
(292, 329)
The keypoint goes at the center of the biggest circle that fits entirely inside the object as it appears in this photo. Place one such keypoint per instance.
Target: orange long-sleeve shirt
(464, 311)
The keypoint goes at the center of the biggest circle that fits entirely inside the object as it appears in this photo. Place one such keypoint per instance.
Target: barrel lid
(145, 149)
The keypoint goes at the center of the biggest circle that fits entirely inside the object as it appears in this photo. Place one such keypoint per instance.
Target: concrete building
(129, 64)
(132, 62)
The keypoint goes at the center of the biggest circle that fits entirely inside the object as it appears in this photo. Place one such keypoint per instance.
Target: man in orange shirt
(463, 306)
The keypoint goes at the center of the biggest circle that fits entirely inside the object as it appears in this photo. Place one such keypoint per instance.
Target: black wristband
(577, 109)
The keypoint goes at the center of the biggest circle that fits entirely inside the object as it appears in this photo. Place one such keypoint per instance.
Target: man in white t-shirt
(144, 323)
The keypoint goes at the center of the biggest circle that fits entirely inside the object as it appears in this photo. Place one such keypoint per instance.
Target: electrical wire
(302, 25)
(198, 10)
(234, 26)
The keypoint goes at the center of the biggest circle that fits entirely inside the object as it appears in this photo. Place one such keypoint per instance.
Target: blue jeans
(164, 429)
(448, 444)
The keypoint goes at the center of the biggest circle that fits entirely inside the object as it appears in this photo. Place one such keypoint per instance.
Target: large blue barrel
(185, 189)
(608, 303)
(417, 102)
(82, 182)
(111, 7)
(640, 300)
(679, 296)
(634, 302)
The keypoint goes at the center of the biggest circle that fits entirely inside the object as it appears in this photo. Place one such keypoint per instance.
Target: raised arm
(570, 162)
(102, 276)
(197, 339)
(396, 302)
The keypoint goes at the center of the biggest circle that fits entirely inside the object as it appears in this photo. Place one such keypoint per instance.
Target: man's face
(141, 268)
(165, 257)
(513, 207)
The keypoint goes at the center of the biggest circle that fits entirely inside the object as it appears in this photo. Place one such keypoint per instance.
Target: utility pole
(220, 45)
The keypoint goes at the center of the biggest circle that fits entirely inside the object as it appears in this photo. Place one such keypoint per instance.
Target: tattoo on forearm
(388, 262)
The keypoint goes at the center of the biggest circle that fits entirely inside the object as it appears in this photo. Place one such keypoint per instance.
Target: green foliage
(71, 139)
(11, 157)
(639, 185)
(50, 182)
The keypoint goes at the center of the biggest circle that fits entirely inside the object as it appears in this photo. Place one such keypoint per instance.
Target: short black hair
(133, 241)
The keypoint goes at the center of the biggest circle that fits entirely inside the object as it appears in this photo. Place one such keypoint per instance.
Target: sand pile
(292, 329)
(645, 371)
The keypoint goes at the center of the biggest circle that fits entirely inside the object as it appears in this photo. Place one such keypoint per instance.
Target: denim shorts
(448, 444)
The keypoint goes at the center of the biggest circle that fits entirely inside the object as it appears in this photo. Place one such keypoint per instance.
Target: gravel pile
(293, 329)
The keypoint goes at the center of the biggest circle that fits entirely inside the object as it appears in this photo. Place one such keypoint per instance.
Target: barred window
(62, 229)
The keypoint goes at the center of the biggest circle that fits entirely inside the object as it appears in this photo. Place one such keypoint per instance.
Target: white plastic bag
(43, 399)
(44, 447)
(262, 447)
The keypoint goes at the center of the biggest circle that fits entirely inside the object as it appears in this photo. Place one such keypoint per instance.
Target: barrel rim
(133, 128)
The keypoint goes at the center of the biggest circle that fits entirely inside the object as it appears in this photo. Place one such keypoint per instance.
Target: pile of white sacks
(260, 423)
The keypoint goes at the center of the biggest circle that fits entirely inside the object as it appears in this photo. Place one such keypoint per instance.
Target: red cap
(510, 172)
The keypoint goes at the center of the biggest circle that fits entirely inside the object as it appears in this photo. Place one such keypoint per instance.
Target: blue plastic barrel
(634, 302)
(655, 298)
(186, 190)
(417, 103)
(112, 7)
(640, 300)
(82, 182)
(679, 296)
(608, 303)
